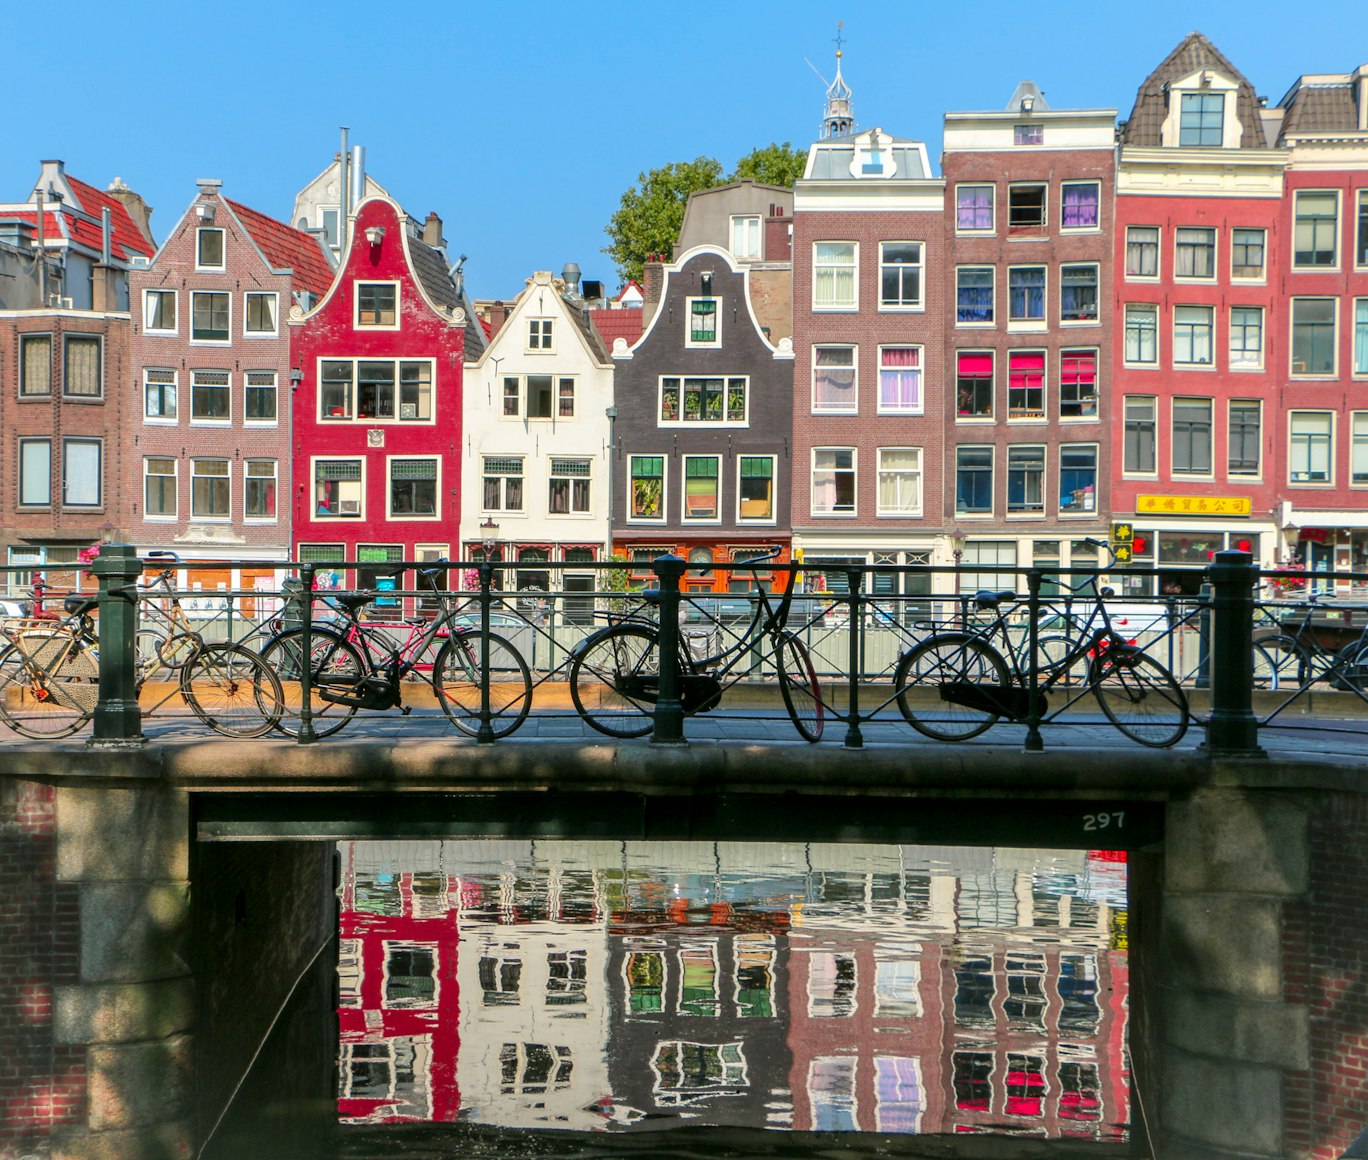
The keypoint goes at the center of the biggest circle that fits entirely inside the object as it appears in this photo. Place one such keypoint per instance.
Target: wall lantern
(375, 234)
(205, 209)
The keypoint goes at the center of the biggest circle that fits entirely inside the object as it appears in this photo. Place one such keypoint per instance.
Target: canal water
(502, 998)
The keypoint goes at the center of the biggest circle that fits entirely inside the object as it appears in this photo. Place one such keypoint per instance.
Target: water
(579, 998)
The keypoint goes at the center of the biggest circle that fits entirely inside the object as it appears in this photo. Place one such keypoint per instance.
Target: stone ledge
(122, 1013)
(1224, 1028)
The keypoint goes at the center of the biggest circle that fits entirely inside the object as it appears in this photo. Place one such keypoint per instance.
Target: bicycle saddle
(79, 605)
(986, 598)
(352, 601)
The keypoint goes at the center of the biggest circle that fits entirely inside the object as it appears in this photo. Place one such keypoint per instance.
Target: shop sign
(1315, 535)
(1194, 505)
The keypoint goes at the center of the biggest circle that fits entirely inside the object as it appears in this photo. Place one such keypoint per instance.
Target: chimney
(570, 275)
(498, 315)
(52, 180)
(138, 210)
(432, 231)
(778, 241)
(102, 289)
(358, 175)
(653, 280)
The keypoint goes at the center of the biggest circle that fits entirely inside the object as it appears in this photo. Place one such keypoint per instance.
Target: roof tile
(285, 247)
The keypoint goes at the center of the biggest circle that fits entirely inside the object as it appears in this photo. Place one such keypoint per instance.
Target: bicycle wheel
(336, 665)
(457, 678)
(232, 690)
(147, 649)
(798, 684)
(1140, 697)
(1051, 653)
(1280, 663)
(48, 688)
(935, 685)
(615, 681)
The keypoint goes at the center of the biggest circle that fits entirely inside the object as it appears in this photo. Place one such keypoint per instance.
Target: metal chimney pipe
(104, 235)
(358, 174)
(42, 250)
(343, 190)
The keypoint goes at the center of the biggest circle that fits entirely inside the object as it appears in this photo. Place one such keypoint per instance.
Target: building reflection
(629, 985)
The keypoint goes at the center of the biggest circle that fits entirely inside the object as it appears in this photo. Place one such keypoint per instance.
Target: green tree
(648, 219)
(772, 165)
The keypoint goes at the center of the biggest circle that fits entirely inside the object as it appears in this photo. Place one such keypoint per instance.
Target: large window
(646, 480)
(1247, 248)
(1077, 478)
(1025, 479)
(1026, 207)
(1313, 336)
(377, 304)
(974, 384)
(1078, 293)
(1195, 252)
(973, 481)
(412, 488)
(721, 401)
(900, 275)
(569, 487)
(1192, 335)
(83, 472)
(833, 380)
(1142, 333)
(1310, 435)
(35, 365)
(339, 489)
(209, 489)
(1201, 119)
(900, 481)
(833, 276)
(259, 490)
(1026, 384)
(974, 208)
(1191, 436)
(1245, 441)
(159, 487)
(900, 380)
(833, 481)
(1246, 337)
(210, 316)
(702, 487)
(745, 236)
(82, 366)
(210, 396)
(755, 487)
(1142, 251)
(376, 390)
(159, 394)
(260, 404)
(159, 311)
(974, 295)
(503, 483)
(1079, 205)
(35, 472)
(1316, 229)
(260, 311)
(1026, 294)
(1138, 457)
(1078, 384)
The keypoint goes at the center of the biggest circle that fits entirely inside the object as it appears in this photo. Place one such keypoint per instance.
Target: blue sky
(522, 123)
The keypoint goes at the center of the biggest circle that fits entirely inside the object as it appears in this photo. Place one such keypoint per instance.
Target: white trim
(690, 343)
(773, 517)
(354, 396)
(842, 307)
(854, 469)
(406, 517)
(274, 332)
(357, 286)
(148, 292)
(162, 518)
(920, 407)
(174, 384)
(1336, 231)
(190, 327)
(1097, 185)
(1330, 452)
(920, 472)
(311, 494)
(629, 476)
(684, 517)
(1198, 279)
(1314, 376)
(1158, 254)
(917, 307)
(1257, 475)
(993, 209)
(200, 232)
(247, 461)
(227, 461)
(227, 388)
(854, 408)
(1174, 473)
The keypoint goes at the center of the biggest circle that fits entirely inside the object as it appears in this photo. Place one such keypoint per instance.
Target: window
(833, 276)
(512, 395)
(503, 483)
(338, 489)
(1028, 134)
(569, 493)
(1316, 228)
(1078, 293)
(159, 487)
(82, 472)
(377, 304)
(260, 310)
(1313, 336)
(1361, 336)
(1078, 384)
(1194, 254)
(35, 472)
(703, 401)
(1361, 249)
(259, 490)
(1246, 337)
(35, 365)
(1201, 119)
(1247, 253)
(1358, 451)
(539, 405)
(1192, 335)
(1142, 331)
(974, 384)
(973, 208)
(1026, 207)
(210, 396)
(1079, 205)
(701, 487)
(1025, 479)
(1311, 435)
(745, 236)
(565, 398)
(1245, 441)
(755, 487)
(1138, 457)
(900, 380)
(159, 311)
(259, 401)
(973, 481)
(366, 390)
(82, 366)
(974, 295)
(1026, 384)
(209, 249)
(210, 316)
(1077, 478)
(209, 488)
(412, 488)
(1191, 436)
(1142, 251)
(900, 275)
(541, 334)
(833, 481)
(703, 322)
(1026, 294)
(159, 394)
(646, 476)
(900, 481)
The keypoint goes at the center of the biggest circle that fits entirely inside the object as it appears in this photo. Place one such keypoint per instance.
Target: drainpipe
(42, 252)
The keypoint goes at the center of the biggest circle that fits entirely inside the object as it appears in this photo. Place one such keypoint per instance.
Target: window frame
(540, 336)
(196, 335)
(918, 407)
(1025, 509)
(1138, 424)
(1292, 324)
(161, 293)
(487, 473)
(436, 513)
(1025, 414)
(315, 461)
(691, 304)
(1244, 365)
(1067, 511)
(353, 403)
(902, 305)
(1032, 228)
(836, 511)
(221, 391)
(1028, 321)
(1152, 310)
(247, 480)
(962, 416)
(381, 310)
(1152, 249)
(27, 341)
(718, 488)
(1329, 447)
(76, 338)
(1080, 354)
(917, 474)
(1245, 405)
(1357, 440)
(249, 389)
(964, 512)
(248, 331)
(1358, 346)
(1096, 226)
(835, 305)
(173, 516)
(553, 476)
(1095, 319)
(24, 500)
(744, 221)
(1361, 232)
(632, 475)
(1262, 274)
(1314, 220)
(1190, 472)
(966, 186)
(1202, 127)
(729, 383)
(68, 443)
(773, 516)
(201, 234)
(1211, 246)
(1193, 333)
(226, 477)
(960, 289)
(162, 388)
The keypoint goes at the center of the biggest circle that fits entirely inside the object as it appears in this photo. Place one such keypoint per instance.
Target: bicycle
(1302, 654)
(954, 685)
(615, 673)
(352, 667)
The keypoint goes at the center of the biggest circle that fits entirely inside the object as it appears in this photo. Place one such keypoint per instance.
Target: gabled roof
(1195, 52)
(430, 268)
(127, 239)
(615, 324)
(284, 247)
(1323, 105)
(81, 223)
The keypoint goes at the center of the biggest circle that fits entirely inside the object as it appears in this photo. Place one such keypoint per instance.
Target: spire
(838, 120)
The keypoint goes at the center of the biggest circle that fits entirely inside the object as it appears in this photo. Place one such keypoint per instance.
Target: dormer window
(1201, 119)
(541, 334)
(209, 249)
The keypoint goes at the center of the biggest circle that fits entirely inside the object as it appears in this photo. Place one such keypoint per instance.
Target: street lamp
(489, 536)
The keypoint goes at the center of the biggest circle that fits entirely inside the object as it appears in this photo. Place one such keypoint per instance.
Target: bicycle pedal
(406, 709)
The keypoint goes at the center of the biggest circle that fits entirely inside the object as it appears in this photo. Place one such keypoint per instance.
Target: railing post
(485, 733)
(1232, 728)
(1034, 742)
(669, 710)
(854, 739)
(118, 718)
(306, 598)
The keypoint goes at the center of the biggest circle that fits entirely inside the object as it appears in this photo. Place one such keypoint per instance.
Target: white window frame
(1329, 481)
(1038, 511)
(247, 477)
(1042, 321)
(1245, 365)
(201, 232)
(1081, 513)
(1076, 351)
(631, 476)
(1148, 364)
(391, 514)
(965, 514)
(854, 469)
(571, 512)
(827, 409)
(162, 420)
(918, 474)
(919, 406)
(1186, 473)
(68, 444)
(773, 517)
(835, 306)
(1153, 401)
(991, 321)
(1093, 229)
(148, 296)
(195, 461)
(1257, 473)
(684, 516)
(1043, 225)
(741, 225)
(919, 305)
(728, 381)
(1292, 337)
(248, 387)
(162, 517)
(1335, 231)
(353, 402)
(541, 336)
(1210, 314)
(26, 447)
(1358, 419)
(1158, 245)
(520, 474)
(247, 331)
(311, 484)
(1215, 236)
(227, 389)
(992, 208)
(1359, 366)
(1262, 275)
(361, 284)
(228, 330)
(1096, 319)
(692, 343)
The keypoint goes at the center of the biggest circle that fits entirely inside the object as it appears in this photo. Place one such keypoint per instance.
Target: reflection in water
(621, 986)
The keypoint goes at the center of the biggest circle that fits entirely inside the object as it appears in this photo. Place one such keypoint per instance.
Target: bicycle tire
(798, 684)
(622, 656)
(147, 653)
(1140, 697)
(1289, 664)
(47, 705)
(336, 664)
(232, 690)
(1052, 650)
(1348, 674)
(456, 677)
(948, 658)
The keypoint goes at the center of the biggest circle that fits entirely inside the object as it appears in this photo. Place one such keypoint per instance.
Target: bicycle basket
(703, 642)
